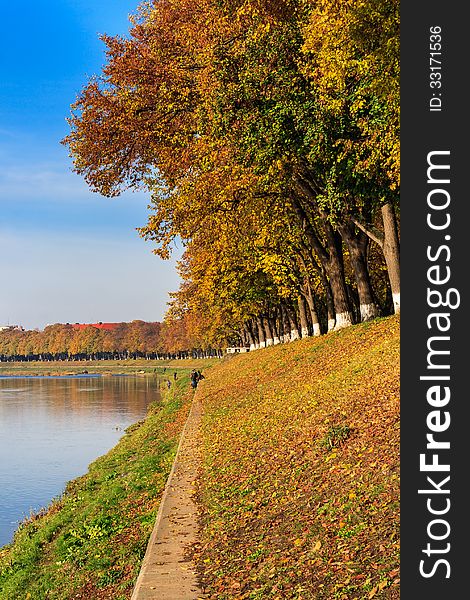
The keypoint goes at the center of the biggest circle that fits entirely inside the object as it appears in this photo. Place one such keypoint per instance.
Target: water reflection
(52, 428)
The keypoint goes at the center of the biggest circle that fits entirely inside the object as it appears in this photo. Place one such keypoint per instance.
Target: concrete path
(166, 572)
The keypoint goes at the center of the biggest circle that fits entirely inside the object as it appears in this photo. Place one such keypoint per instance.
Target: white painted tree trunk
(316, 329)
(369, 311)
(391, 250)
(302, 304)
(331, 324)
(396, 302)
(343, 320)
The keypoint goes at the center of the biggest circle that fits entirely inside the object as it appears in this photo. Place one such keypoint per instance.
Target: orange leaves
(378, 588)
(239, 137)
(140, 115)
(323, 522)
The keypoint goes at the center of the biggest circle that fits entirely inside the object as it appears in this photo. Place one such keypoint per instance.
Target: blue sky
(66, 254)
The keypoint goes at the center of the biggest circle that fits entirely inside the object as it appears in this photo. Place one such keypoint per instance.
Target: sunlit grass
(129, 367)
(299, 490)
(89, 543)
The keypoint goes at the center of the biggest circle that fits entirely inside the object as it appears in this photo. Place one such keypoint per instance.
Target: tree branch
(374, 234)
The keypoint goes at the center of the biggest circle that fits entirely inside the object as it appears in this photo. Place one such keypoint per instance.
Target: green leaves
(336, 436)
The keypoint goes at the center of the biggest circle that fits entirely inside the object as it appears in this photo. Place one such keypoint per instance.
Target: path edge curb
(158, 518)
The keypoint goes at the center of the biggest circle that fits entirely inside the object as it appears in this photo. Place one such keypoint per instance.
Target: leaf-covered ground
(299, 489)
(300, 484)
(89, 543)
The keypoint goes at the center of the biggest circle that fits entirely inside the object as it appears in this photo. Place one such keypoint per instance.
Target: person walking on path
(194, 379)
(175, 375)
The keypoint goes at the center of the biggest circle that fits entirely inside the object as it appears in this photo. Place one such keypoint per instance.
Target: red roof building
(100, 325)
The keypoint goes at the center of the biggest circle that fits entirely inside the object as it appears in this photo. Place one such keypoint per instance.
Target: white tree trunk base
(331, 324)
(396, 303)
(316, 329)
(343, 320)
(252, 347)
(276, 341)
(369, 311)
(262, 344)
(294, 335)
(304, 333)
(269, 342)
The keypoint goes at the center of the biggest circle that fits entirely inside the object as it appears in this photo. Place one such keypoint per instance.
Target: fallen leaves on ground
(299, 490)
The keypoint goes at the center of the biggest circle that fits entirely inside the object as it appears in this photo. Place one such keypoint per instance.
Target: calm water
(51, 429)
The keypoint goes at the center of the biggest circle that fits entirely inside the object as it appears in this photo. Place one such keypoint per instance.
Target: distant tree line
(138, 339)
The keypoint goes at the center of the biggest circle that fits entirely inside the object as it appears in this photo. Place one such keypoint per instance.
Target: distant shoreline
(136, 367)
(55, 376)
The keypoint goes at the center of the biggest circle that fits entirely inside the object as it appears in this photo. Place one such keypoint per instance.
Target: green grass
(89, 543)
(129, 367)
(299, 489)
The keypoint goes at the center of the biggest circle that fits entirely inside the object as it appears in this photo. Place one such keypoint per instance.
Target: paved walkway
(166, 572)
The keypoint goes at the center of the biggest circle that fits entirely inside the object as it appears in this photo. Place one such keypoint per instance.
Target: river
(52, 428)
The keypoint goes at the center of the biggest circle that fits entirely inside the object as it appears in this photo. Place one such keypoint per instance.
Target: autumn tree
(223, 109)
(352, 55)
(64, 341)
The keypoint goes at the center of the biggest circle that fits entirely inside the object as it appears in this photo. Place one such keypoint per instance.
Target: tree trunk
(274, 329)
(306, 288)
(330, 305)
(331, 260)
(280, 324)
(268, 330)
(285, 325)
(313, 313)
(335, 270)
(294, 329)
(261, 332)
(245, 336)
(390, 244)
(304, 329)
(251, 335)
(357, 245)
(391, 250)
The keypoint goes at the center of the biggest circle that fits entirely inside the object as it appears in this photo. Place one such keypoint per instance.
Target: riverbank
(89, 543)
(299, 487)
(103, 367)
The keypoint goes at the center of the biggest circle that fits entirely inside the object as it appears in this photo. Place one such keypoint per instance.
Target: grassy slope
(300, 486)
(89, 544)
